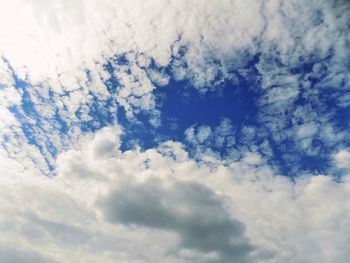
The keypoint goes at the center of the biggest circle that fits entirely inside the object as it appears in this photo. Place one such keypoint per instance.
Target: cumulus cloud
(188, 209)
(342, 159)
(110, 207)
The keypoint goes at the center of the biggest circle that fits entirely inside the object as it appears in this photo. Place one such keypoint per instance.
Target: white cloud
(120, 203)
(60, 48)
(342, 159)
(68, 36)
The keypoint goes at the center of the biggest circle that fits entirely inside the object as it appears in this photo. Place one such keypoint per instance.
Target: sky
(174, 131)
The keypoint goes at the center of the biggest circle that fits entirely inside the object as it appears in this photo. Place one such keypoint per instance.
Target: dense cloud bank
(161, 206)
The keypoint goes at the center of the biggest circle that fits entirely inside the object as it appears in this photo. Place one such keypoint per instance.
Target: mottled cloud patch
(80, 78)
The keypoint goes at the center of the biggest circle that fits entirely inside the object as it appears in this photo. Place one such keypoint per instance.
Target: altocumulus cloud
(65, 59)
(69, 60)
(71, 193)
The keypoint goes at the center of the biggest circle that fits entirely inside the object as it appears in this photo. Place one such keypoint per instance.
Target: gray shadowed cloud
(9, 255)
(190, 210)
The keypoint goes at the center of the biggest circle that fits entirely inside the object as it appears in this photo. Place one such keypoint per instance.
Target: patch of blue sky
(236, 99)
(111, 83)
(181, 106)
(100, 113)
(27, 110)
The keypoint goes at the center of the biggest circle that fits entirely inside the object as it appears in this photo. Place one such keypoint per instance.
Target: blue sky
(236, 100)
(176, 132)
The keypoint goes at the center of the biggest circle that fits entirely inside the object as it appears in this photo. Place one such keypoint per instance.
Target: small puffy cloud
(159, 78)
(105, 143)
(306, 130)
(342, 159)
(10, 96)
(253, 159)
(203, 133)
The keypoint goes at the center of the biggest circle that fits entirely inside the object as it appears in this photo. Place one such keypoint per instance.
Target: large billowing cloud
(162, 206)
(189, 210)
